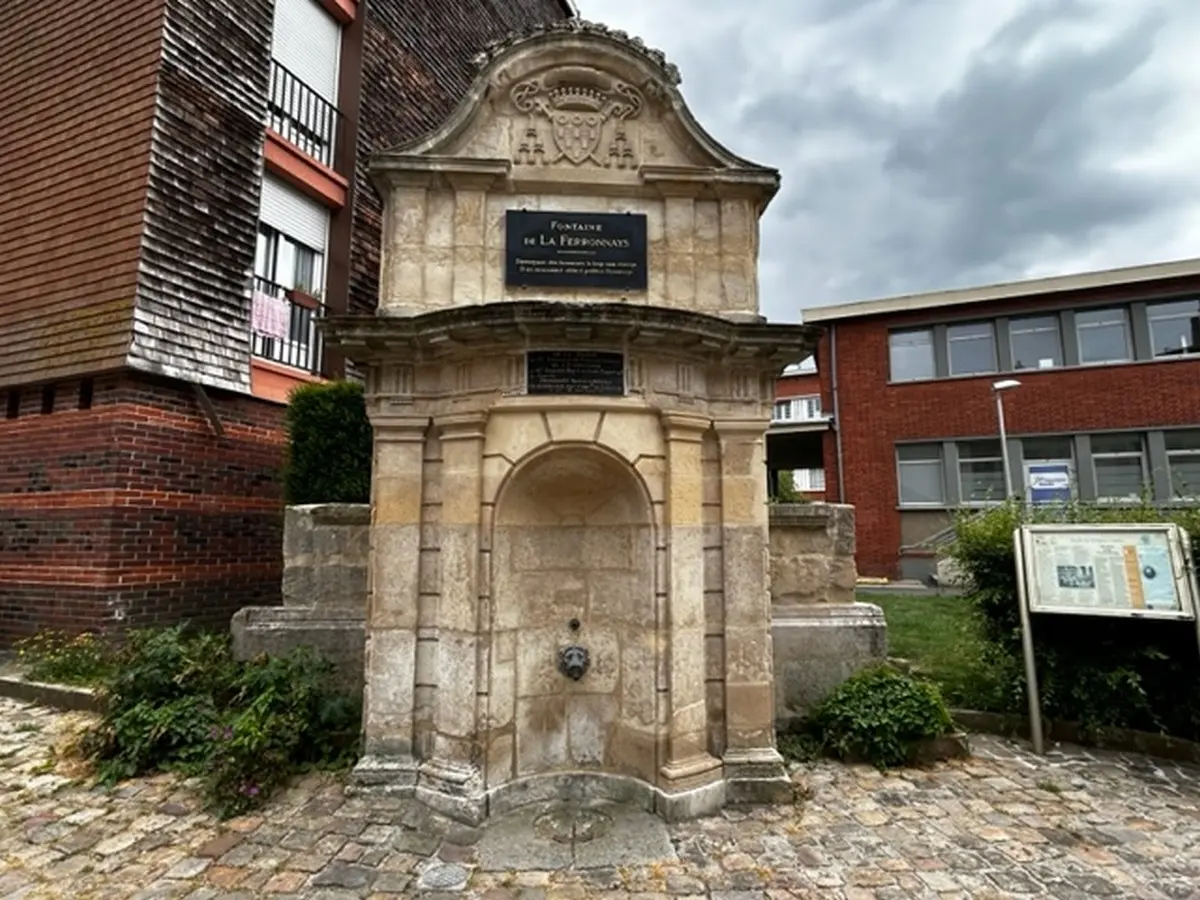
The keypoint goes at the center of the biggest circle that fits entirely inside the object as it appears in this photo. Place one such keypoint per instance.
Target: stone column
(754, 769)
(393, 578)
(688, 766)
(450, 778)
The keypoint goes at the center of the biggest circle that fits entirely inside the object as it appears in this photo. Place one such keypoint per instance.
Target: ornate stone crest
(586, 111)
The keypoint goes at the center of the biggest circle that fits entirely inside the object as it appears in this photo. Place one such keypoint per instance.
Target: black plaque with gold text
(567, 249)
(575, 372)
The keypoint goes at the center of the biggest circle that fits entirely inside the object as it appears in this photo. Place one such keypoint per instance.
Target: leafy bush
(59, 658)
(1098, 671)
(880, 715)
(329, 445)
(178, 701)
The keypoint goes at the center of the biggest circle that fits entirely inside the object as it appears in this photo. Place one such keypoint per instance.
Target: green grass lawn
(941, 637)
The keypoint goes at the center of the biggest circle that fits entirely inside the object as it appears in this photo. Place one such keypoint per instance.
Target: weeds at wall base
(176, 700)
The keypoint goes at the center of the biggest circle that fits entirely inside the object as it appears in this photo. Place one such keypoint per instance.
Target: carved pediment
(577, 102)
(577, 115)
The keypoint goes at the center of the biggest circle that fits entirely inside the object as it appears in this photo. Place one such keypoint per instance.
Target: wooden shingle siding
(77, 86)
(416, 67)
(192, 319)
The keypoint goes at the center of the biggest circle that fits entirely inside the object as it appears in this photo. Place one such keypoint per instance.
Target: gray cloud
(929, 144)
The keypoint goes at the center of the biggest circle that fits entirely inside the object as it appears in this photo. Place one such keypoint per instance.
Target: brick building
(1107, 409)
(182, 190)
(795, 440)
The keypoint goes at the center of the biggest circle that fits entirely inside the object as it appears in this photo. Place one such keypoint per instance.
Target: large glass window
(1119, 461)
(1035, 342)
(971, 348)
(1174, 327)
(911, 355)
(981, 471)
(922, 481)
(1183, 462)
(1103, 335)
(287, 263)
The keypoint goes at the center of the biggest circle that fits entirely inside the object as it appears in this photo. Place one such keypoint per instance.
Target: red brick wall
(797, 386)
(132, 511)
(875, 415)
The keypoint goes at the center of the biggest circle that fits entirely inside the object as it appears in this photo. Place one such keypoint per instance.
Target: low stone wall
(820, 635)
(812, 553)
(325, 553)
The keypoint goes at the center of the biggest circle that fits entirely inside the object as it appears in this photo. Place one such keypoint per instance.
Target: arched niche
(573, 539)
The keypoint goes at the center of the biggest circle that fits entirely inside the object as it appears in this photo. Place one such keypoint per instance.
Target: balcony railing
(301, 115)
(799, 409)
(283, 327)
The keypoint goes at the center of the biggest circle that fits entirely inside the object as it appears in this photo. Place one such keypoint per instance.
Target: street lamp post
(998, 388)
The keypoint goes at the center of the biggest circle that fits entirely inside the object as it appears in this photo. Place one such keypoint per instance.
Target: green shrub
(329, 445)
(178, 701)
(1098, 671)
(880, 715)
(60, 658)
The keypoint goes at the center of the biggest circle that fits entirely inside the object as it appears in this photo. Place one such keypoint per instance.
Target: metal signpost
(1124, 571)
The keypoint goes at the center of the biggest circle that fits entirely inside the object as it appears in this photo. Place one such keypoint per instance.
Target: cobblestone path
(1075, 824)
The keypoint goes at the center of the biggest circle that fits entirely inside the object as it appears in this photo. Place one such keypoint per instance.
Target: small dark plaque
(575, 372)
(565, 249)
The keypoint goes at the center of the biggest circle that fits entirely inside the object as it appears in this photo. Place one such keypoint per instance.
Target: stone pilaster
(687, 764)
(451, 780)
(753, 767)
(393, 579)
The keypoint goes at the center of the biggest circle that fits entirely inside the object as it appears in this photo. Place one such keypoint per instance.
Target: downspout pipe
(837, 412)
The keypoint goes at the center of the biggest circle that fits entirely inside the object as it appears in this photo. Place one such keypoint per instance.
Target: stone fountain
(570, 382)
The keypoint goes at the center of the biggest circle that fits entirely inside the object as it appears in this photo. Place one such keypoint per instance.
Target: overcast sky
(932, 144)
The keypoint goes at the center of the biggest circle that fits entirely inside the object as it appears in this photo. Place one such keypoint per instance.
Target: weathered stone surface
(325, 558)
(812, 554)
(1074, 823)
(817, 646)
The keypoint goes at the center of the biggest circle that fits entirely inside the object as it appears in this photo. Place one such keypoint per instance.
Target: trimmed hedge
(1098, 671)
(329, 445)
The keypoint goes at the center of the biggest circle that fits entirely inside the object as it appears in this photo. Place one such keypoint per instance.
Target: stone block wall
(326, 549)
(820, 635)
(325, 555)
(812, 553)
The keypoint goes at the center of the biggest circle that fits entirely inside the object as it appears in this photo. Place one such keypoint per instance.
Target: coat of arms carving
(586, 111)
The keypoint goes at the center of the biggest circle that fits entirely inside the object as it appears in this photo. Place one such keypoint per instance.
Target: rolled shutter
(287, 210)
(306, 40)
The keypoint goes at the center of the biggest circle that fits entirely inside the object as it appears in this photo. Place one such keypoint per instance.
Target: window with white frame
(980, 471)
(797, 409)
(1104, 335)
(1119, 461)
(1183, 462)
(1174, 327)
(911, 354)
(808, 481)
(921, 474)
(1035, 342)
(971, 348)
(285, 262)
(292, 236)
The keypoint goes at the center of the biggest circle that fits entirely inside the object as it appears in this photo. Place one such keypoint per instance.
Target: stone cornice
(465, 331)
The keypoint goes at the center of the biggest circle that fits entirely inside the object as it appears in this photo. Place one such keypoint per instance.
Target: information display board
(1130, 571)
(1107, 570)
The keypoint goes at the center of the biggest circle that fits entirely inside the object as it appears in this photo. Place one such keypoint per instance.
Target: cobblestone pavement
(1073, 825)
